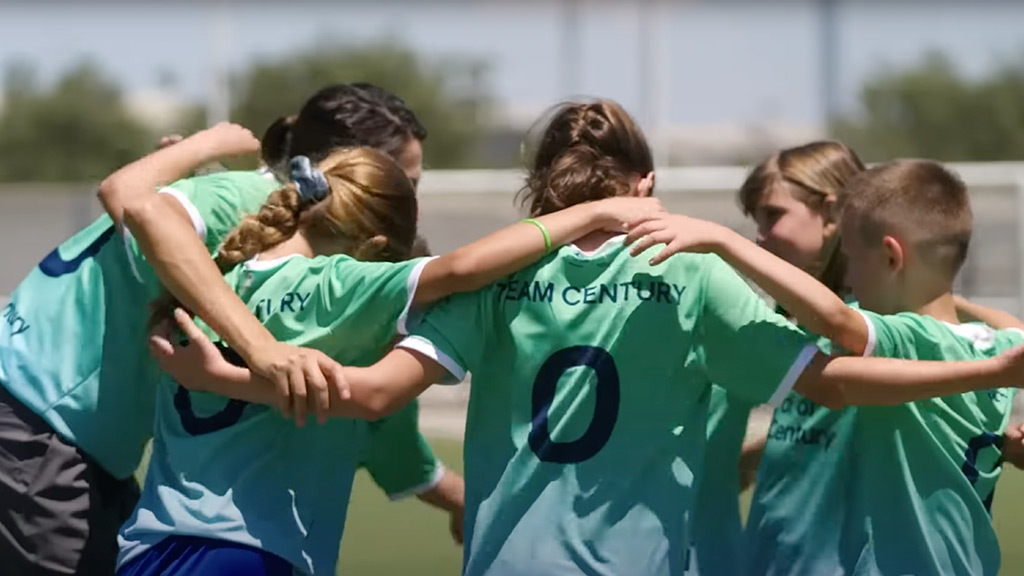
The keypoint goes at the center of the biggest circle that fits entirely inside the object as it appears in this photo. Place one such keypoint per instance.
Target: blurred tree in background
(80, 128)
(450, 97)
(77, 130)
(932, 110)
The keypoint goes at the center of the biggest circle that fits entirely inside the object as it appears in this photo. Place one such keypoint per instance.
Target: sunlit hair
(586, 151)
(815, 172)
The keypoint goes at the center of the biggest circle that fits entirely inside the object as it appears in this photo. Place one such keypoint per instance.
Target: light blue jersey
(73, 347)
(73, 337)
(228, 470)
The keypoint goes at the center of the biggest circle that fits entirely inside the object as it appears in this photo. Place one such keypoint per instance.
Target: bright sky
(720, 62)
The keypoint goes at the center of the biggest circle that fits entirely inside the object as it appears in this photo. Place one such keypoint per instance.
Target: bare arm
(809, 301)
(844, 381)
(162, 228)
(750, 459)
(969, 311)
(515, 247)
(449, 495)
(381, 389)
(165, 235)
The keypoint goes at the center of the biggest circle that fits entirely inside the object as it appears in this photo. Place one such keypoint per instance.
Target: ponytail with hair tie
(310, 182)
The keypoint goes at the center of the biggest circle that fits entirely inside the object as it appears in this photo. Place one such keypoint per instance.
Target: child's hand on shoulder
(678, 233)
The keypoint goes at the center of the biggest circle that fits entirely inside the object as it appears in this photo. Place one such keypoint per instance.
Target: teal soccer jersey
(591, 383)
(228, 470)
(73, 339)
(800, 498)
(717, 528)
(925, 472)
(399, 459)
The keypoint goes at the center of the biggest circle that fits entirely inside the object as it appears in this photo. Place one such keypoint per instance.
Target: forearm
(449, 494)
(237, 383)
(750, 459)
(506, 251)
(810, 302)
(969, 311)
(380, 390)
(888, 382)
(185, 268)
(141, 179)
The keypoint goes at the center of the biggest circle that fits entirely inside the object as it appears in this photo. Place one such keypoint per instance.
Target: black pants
(59, 510)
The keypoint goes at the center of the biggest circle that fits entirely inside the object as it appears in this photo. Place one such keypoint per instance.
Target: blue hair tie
(309, 181)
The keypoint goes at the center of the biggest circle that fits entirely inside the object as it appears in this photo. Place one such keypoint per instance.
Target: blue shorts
(196, 556)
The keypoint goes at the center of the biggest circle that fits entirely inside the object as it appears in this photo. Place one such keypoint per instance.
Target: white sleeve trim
(869, 348)
(795, 370)
(411, 285)
(427, 348)
(126, 235)
(193, 212)
(427, 486)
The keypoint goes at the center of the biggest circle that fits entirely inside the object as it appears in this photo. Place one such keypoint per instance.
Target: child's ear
(830, 215)
(371, 249)
(894, 252)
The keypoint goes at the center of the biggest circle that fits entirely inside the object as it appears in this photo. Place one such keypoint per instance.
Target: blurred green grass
(385, 538)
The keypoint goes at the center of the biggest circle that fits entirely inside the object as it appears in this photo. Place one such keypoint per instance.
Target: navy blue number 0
(229, 416)
(970, 467)
(606, 405)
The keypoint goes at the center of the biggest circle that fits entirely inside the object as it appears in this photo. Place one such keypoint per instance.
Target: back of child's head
(587, 151)
(367, 197)
(339, 116)
(357, 202)
(919, 202)
(815, 173)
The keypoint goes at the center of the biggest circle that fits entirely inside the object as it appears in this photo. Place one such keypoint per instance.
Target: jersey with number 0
(591, 382)
(228, 470)
(73, 336)
(924, 473)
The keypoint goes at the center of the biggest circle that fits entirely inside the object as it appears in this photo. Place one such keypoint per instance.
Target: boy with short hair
(923, 472)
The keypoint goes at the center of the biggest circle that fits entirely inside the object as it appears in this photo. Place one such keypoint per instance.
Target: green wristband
(544, 231)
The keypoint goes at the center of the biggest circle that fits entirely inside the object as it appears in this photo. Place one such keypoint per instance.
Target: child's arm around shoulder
(515, 247)
(972, 312)
(810, 302)
(837, 382)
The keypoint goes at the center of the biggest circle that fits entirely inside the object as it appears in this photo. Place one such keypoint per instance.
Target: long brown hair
(587, 151)
(817, 171)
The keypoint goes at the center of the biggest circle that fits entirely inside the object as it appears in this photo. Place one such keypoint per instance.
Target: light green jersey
(73, 336)
(924, 473)
(717, 526)
(399, 459)
(591, 381)
(234, 471)
(802, 485)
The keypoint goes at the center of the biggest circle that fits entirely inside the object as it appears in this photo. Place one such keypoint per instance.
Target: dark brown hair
(339, 116)
(587, 151)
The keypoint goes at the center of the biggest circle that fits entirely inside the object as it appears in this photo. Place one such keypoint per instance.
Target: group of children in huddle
(615, 353)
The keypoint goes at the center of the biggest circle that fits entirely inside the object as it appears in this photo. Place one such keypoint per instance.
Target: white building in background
(158, 109)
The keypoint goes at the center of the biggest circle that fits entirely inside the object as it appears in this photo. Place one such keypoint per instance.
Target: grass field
(386, 539)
